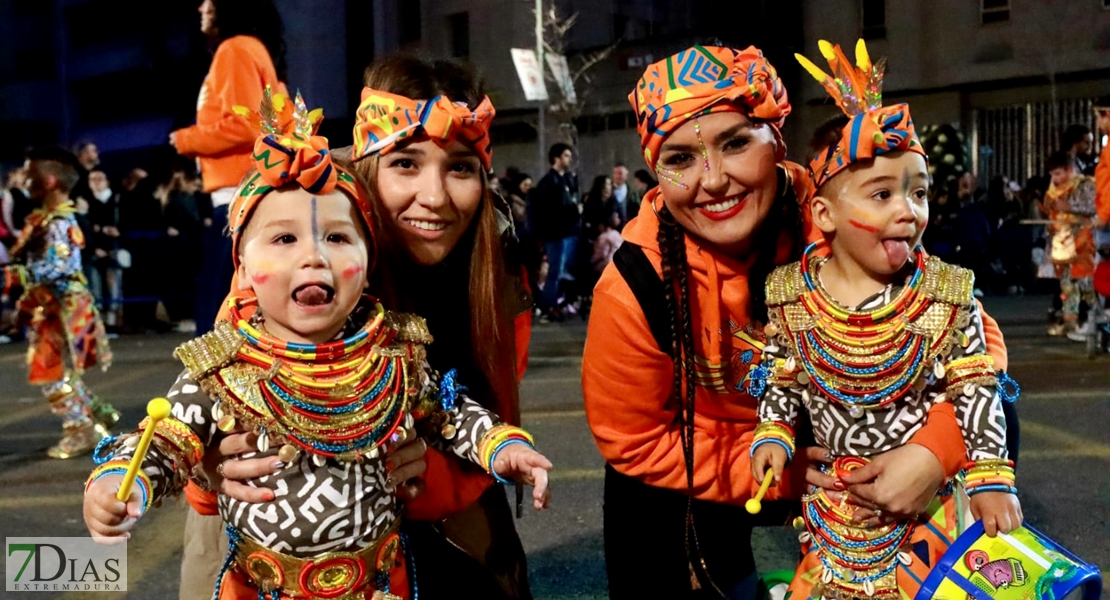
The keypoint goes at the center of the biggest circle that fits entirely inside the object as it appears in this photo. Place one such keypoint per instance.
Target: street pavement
(1064, 473)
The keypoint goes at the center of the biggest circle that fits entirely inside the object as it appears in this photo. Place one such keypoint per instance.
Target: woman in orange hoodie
(249, 57)
(677, 327)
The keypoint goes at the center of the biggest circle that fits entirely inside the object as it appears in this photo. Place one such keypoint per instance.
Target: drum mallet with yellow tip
(157, 409)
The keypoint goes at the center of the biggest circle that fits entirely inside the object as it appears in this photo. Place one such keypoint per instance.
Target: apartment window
(996, 11)
(873, 17)
(459, 26)
(408, 21)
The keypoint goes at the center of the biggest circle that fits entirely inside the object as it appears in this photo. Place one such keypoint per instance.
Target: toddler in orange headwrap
(323, 374)
(867, 334)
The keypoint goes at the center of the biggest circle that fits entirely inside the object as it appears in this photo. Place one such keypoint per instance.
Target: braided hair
(784, 219)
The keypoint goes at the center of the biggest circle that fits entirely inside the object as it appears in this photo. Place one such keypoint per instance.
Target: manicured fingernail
(269, 496)
(277, 464)
(389, 465)
(839, 485)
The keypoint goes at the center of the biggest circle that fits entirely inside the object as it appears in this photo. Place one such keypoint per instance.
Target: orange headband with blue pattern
(289, 152)
(385, 120)
(702, 80)
(873, 129)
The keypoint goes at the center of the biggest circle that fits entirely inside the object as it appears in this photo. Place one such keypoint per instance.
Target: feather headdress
(873, 129)
(857, 88)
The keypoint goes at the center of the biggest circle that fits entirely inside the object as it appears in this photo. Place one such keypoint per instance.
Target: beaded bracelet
(773, 440)
(119, 467)
(97, 456)
(774, 432)
(495, 436)
(1008, 389)
(996, 487)
(493, 459)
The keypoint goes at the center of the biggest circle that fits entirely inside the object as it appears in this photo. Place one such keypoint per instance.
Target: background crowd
(144, 231)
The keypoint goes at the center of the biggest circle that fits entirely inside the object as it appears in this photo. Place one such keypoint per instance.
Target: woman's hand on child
(768, 455)
(897, 484)
(811, 460)
(405, 464)
(226, 479)
(1000, 512)
(522, 463)
(108, 520)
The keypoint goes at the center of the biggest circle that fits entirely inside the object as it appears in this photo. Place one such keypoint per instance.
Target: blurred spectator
(182, 251)
(142, 226)
(1077, 141)
(599, 206)
(626, 199)
(973, 233)
(608, 240)
(1012, 242)
(16, 186)
(88, 157)
(531, 250)
(517, 195)
(108, 257)
(554, 217)
(247, 36)
(642, 181)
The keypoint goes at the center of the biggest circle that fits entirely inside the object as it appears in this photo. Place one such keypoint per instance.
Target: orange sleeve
(203, 502)
(452, 485)
(1102, 186)
(626, 384)
(996, 343)
(941, 434)
(235, 79)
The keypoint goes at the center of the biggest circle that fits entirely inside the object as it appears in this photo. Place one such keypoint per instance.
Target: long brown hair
(493, 343)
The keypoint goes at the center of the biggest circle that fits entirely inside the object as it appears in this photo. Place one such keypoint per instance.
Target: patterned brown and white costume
(321, 504)
(851, 431)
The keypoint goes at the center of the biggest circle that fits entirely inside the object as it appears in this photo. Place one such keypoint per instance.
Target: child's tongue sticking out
(312, 295)
(897, 252)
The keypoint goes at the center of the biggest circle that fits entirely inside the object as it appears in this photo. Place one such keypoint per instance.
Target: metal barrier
(1015, 140)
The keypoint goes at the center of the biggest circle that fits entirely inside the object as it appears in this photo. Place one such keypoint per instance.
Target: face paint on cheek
(315, 230)
(261, 273)
(671, 177)
(863, 226)
(352, 271)
(701, 144)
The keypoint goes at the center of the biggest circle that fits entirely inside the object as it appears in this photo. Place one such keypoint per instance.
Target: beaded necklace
(862, 359)
(855, 555)
(342, 398)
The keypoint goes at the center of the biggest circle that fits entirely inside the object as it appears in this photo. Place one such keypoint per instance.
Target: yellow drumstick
(157, 409)
(753, 506)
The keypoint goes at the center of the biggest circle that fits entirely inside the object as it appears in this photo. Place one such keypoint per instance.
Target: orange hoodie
(1102, 185)
(626, 378)
(241, 69)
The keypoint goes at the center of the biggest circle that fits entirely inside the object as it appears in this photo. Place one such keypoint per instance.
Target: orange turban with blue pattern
(872, 129)
(289, 152)
(702, 80)
(385, 120)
